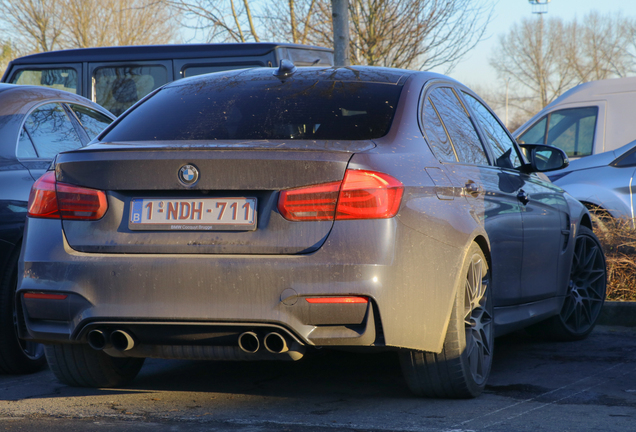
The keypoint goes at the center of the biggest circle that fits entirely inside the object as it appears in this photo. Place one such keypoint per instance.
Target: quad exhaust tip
(248, 342)
(119, 339)
(275, 343)
(97, 340)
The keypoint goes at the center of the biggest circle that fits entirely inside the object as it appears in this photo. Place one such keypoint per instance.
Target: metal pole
(340, 19)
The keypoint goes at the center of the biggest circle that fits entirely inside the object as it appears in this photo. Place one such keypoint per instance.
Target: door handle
(473, 189)
(523, 197)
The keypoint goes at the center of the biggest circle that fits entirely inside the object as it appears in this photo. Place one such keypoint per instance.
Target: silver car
(603, 182)
(264, 213)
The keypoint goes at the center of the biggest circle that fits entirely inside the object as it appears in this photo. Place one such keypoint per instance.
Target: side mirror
(544, 158)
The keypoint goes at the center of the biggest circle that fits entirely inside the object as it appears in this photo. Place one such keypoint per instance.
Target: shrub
(618, 238)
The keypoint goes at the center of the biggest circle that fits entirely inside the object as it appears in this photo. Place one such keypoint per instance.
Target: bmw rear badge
(188, 175)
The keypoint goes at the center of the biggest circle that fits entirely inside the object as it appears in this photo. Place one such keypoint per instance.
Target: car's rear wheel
(81, 366)
(462, 368)
(585, 294)
(17, 356)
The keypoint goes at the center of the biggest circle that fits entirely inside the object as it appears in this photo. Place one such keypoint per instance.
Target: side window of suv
(117, 88)
(459, 127)
(47, 131)
(502, 146)
(572, 130)
(58, 78)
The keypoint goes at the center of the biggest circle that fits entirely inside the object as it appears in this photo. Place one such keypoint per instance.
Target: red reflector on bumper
(337, 300)
(44, 296)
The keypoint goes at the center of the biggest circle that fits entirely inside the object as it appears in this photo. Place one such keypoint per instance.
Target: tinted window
(51, 131)
(572, 130)
(459, 127)
(194, 70)
(503, 148)
(92, 121)
(436, 135)
(230, 107)
(25, 146)
(118, 88)
(62, 79)
(628, 159)
(536, 134)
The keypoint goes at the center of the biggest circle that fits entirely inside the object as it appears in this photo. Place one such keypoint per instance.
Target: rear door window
(49, 131)
(436, 134)
(92, 121)
(459, 127)
(57, 78)
(117, 88)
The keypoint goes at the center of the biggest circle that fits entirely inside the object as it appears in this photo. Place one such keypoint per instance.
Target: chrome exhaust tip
(248, 342)
(121, 340)
(97, 340)
(275, 343)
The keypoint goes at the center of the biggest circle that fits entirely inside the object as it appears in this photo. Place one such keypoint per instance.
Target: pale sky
(475, 69)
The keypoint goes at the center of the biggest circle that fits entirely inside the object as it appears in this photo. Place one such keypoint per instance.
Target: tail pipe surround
(275, 343)
(98, 340)
(121, 340)
(248, 342)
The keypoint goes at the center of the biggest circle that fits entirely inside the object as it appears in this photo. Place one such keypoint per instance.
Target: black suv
(117, 77)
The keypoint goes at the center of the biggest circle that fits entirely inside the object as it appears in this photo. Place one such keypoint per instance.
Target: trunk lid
(149, 171)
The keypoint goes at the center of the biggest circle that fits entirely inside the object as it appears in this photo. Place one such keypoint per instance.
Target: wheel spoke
(478, 320)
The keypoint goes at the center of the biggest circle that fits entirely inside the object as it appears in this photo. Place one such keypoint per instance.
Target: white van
(590, 118)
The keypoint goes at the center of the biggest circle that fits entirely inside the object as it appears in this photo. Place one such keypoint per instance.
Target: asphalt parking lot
(534, 386)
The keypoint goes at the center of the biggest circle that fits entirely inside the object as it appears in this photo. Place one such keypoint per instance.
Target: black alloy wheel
(586, 290)
(17, 356)
(584, 296)
(461, 370)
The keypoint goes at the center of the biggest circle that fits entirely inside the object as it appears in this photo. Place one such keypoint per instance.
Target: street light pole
(340, 19)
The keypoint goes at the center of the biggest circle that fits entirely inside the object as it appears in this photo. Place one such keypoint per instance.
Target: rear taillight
(361, 195)
(49, 199)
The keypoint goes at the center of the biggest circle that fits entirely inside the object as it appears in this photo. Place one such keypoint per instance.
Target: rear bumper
(164, 292)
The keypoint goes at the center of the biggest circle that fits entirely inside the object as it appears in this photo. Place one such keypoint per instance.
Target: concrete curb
(618, 314)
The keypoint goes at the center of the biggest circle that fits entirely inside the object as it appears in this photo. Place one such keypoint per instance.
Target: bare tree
(544, 58)
(227, 20)
(417, 34)
(533, 55)
(45, 25)
(7, 52)
(36, 25)
(598, 46)
(420, 34)
(294, 21)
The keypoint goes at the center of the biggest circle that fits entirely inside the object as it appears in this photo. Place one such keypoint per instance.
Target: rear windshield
(231, 108)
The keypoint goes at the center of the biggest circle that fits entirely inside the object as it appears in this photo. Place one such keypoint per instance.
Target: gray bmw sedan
(261, 214)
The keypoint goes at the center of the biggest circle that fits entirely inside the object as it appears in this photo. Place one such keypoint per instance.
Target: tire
(17, 356)
(585, 295)
(461, 370)
(81, 366)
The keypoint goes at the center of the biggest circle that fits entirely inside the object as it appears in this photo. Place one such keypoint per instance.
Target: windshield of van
(571, 130)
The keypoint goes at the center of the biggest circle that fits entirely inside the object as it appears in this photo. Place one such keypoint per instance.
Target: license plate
(203, 214)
